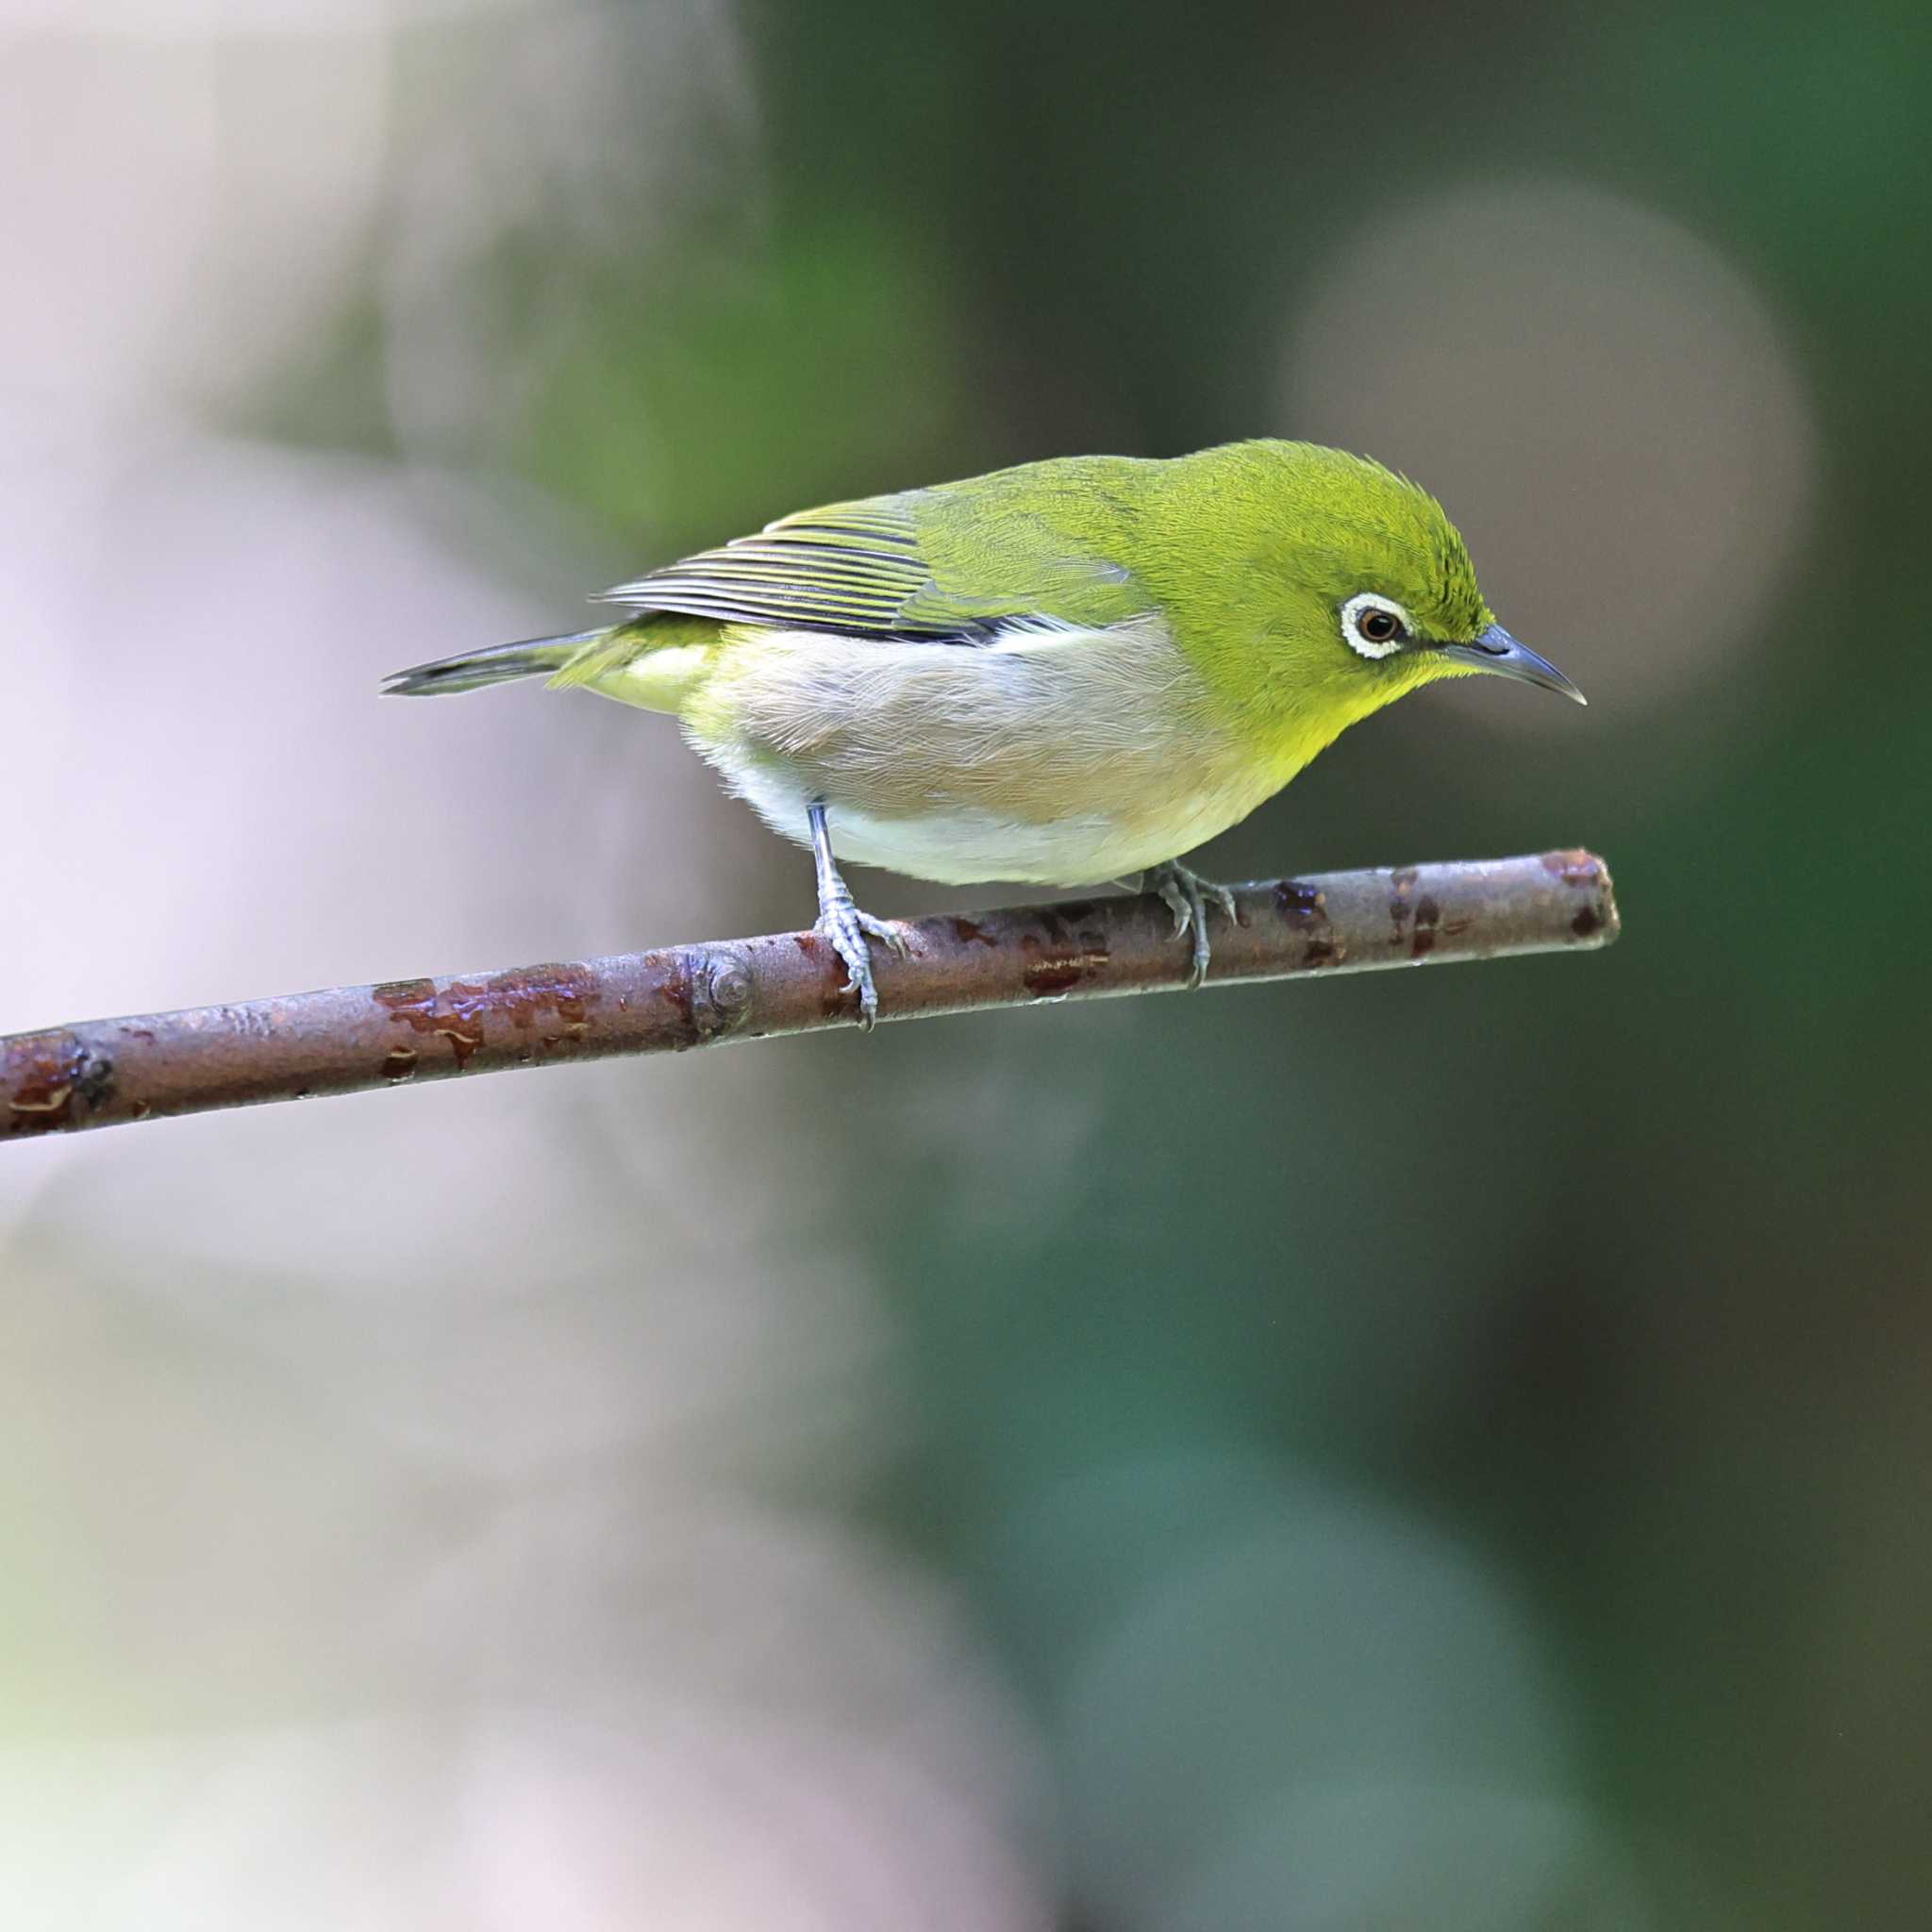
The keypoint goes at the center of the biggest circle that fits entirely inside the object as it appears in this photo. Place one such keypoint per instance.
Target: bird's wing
(940, 565)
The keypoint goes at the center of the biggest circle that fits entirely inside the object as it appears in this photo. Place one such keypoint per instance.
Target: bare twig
(103, 1071)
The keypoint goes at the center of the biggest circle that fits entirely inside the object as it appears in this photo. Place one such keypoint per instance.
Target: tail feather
(497, 664)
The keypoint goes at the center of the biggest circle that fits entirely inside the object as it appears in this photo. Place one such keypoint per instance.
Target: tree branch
(100, 1072)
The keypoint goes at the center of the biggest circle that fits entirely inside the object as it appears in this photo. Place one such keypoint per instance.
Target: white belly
(962, 846)
(1057, 760)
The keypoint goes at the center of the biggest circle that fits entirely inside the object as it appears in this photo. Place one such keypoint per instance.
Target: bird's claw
(889, 933)
(1186, 895)
(849, 929)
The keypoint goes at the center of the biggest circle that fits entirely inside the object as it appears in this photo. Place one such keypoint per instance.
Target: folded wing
(927, 565)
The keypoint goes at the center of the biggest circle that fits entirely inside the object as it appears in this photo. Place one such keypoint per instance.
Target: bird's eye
(1373, 626)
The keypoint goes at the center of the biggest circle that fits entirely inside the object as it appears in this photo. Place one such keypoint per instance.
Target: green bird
(1067, 672)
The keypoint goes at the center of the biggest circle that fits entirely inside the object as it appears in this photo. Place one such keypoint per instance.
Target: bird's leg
(844, 924)
(1186, 895)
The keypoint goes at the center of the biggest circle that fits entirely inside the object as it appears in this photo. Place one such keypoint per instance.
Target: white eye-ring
(1373, 625)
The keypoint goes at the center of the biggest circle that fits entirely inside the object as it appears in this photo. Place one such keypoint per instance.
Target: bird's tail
(497, 664)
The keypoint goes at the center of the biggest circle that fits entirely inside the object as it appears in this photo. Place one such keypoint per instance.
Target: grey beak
(1497, 651)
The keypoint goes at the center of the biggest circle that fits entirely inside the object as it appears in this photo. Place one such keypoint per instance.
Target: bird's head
(1353, 586)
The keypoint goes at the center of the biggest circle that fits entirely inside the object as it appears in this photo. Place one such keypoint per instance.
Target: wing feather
(851, 567)
(1021, 551)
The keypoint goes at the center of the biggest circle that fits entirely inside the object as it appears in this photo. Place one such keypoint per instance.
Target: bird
(1067, 672)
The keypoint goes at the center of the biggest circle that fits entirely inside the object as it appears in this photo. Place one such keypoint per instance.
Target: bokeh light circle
(1602, 401)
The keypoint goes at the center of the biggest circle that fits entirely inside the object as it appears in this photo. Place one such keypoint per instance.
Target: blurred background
(1446, 1450)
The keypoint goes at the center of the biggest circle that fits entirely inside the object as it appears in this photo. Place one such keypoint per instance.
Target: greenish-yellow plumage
(1063, 673)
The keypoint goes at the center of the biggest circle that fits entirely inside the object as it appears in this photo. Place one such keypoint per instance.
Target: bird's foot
(1186, 895)
(847, 928)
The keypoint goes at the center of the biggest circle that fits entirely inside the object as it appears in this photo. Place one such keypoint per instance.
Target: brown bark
(99, 1073)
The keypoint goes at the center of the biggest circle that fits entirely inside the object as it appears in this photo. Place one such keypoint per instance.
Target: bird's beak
(1497, 651)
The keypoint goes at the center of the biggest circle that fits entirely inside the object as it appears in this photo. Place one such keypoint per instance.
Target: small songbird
(1067, 672)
